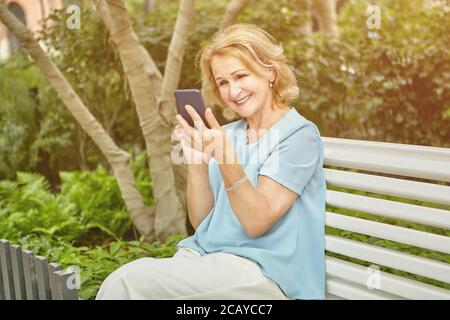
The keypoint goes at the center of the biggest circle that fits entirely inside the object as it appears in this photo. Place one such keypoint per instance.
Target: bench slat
(390, 283)
(412, 161)
(6, 269)
(18, 277)
(43, 280)
(29, 271)
(386, 231)
(345, 289)
(67, 284)
(428, 192)
(388, 148)
(54, 281)
(389, 258)
(2, 286)
(392, 209)
(432, 170)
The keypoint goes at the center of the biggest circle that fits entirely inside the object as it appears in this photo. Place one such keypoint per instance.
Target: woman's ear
(271, 74)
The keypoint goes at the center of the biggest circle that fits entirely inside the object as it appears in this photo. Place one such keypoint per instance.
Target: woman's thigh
(188, 275)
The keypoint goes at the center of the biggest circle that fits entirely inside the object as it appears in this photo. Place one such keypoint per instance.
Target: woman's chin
(244, 111)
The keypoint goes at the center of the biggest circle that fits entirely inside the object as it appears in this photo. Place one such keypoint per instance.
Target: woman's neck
(262, 121)
(266, 117)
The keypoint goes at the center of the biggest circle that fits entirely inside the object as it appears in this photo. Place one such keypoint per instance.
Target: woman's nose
(235, 91)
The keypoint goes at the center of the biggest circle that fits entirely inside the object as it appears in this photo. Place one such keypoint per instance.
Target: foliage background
(394, 88)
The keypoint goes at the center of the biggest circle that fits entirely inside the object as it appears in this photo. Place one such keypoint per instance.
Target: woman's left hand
(213, 142)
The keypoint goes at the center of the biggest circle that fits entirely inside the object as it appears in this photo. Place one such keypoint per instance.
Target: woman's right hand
(190, 154)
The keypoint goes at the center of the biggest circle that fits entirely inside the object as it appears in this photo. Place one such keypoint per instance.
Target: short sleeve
(293, 161)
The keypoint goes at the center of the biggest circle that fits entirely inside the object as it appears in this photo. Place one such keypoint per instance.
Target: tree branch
(119, 160)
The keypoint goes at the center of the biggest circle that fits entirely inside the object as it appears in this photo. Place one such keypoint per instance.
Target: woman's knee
(121, 283)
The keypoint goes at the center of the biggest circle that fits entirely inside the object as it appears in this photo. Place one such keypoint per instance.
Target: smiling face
(244, 91)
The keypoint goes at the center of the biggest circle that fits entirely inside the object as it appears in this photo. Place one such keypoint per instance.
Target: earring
(271, 84)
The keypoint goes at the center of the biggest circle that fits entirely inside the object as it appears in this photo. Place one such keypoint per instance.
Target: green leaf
(114, 247)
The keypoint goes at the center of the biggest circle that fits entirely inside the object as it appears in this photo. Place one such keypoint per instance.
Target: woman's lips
(245, 101)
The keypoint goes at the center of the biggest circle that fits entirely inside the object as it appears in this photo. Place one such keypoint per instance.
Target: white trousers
(189, 275)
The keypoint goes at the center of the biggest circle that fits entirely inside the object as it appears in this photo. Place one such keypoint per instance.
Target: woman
(256, 189)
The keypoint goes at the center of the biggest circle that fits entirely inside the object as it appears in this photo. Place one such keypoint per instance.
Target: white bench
(398, 164)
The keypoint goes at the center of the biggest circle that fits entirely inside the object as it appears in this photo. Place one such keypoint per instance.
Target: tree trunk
(153, 97)
(234, 8)
(326, 15)
(304, 7)
(119, 160)
(166, 102)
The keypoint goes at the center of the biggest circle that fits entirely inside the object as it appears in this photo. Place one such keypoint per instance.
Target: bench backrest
(24, 276)
(372, 242)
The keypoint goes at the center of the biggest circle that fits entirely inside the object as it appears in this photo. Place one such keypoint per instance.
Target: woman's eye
(238, 76)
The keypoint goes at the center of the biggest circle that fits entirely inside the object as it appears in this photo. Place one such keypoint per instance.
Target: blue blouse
(292, 251)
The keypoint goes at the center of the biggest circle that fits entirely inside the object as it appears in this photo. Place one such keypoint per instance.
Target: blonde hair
(254, 47)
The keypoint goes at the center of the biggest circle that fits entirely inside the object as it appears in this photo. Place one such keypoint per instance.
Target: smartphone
(192, 97)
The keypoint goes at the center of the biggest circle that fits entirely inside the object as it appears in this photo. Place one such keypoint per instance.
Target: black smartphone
(192, 97)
